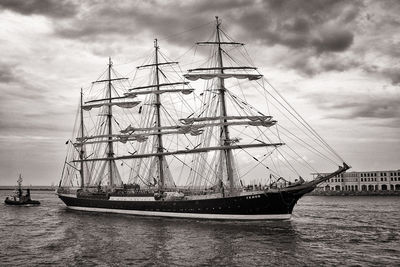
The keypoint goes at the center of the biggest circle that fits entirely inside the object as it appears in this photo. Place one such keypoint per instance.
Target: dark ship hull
(21, 203)
(260, 205)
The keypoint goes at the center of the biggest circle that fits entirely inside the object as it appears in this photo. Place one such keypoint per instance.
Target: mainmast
(224, 134)
(158, 120)
(110, 153)
(82, 151)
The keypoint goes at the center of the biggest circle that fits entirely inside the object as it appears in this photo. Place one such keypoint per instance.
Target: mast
(158, 118)
(224, 136)
(109, 120)
(81, 152)
(20, 184)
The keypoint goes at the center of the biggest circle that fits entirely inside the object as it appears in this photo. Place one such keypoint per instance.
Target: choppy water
(358, 231)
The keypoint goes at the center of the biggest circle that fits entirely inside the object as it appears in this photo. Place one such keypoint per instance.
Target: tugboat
(18, 198)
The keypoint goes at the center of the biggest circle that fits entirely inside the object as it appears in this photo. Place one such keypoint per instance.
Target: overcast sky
(337, 61)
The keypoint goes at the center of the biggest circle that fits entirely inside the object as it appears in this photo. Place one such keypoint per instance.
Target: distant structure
(363, 181)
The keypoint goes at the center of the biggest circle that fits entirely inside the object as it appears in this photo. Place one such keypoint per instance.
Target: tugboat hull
(21, 203)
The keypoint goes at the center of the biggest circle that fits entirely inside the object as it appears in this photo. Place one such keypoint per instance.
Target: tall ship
(192, 144)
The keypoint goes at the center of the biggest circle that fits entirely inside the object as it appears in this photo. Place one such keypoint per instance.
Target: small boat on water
(19, 198)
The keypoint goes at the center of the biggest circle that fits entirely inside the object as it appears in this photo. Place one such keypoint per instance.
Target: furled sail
(186, 151)
(187, 121)
(183, 91)
(158, 85)
(131, 104)
(208, 76)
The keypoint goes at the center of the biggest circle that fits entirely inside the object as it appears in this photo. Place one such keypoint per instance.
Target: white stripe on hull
(189, 215)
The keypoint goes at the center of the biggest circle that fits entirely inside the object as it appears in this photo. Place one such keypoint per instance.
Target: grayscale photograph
(200, 133)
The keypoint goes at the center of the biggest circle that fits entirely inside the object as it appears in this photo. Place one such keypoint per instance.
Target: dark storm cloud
(7, 73)
(345, 106)
(50, 8)
(333, 40)
(394, 75)
(316, 32)
(318, 25)
(102, 23)
(382, 108)
(309, 65)
(390, 73)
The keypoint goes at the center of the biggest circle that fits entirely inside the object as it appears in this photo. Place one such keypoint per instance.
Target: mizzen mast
(82, 151)
(109, 120)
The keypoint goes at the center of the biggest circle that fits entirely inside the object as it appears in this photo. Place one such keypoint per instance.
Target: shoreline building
(363, 181)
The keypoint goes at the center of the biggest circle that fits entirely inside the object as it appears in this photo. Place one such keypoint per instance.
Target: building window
(370, 187)
(364, 187)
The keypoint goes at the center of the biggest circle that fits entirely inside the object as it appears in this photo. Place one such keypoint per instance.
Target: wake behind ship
(162, 148)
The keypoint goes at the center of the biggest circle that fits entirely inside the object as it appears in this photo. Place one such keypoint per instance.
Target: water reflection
(333, 231)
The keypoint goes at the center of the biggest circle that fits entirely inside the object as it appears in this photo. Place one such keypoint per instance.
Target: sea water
(357, 231)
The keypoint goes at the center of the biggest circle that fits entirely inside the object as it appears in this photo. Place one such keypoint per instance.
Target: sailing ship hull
(260, 206)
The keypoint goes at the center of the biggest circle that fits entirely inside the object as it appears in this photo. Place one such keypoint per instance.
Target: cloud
(318, 25)
(322, 26)
(50, 8)
(7, 73)
(312, 28)
(332, 40)
(391, 73)
(381, 108)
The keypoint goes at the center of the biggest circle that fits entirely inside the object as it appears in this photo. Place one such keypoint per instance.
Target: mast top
(19, 180)
(109, 62)
(156, 43)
